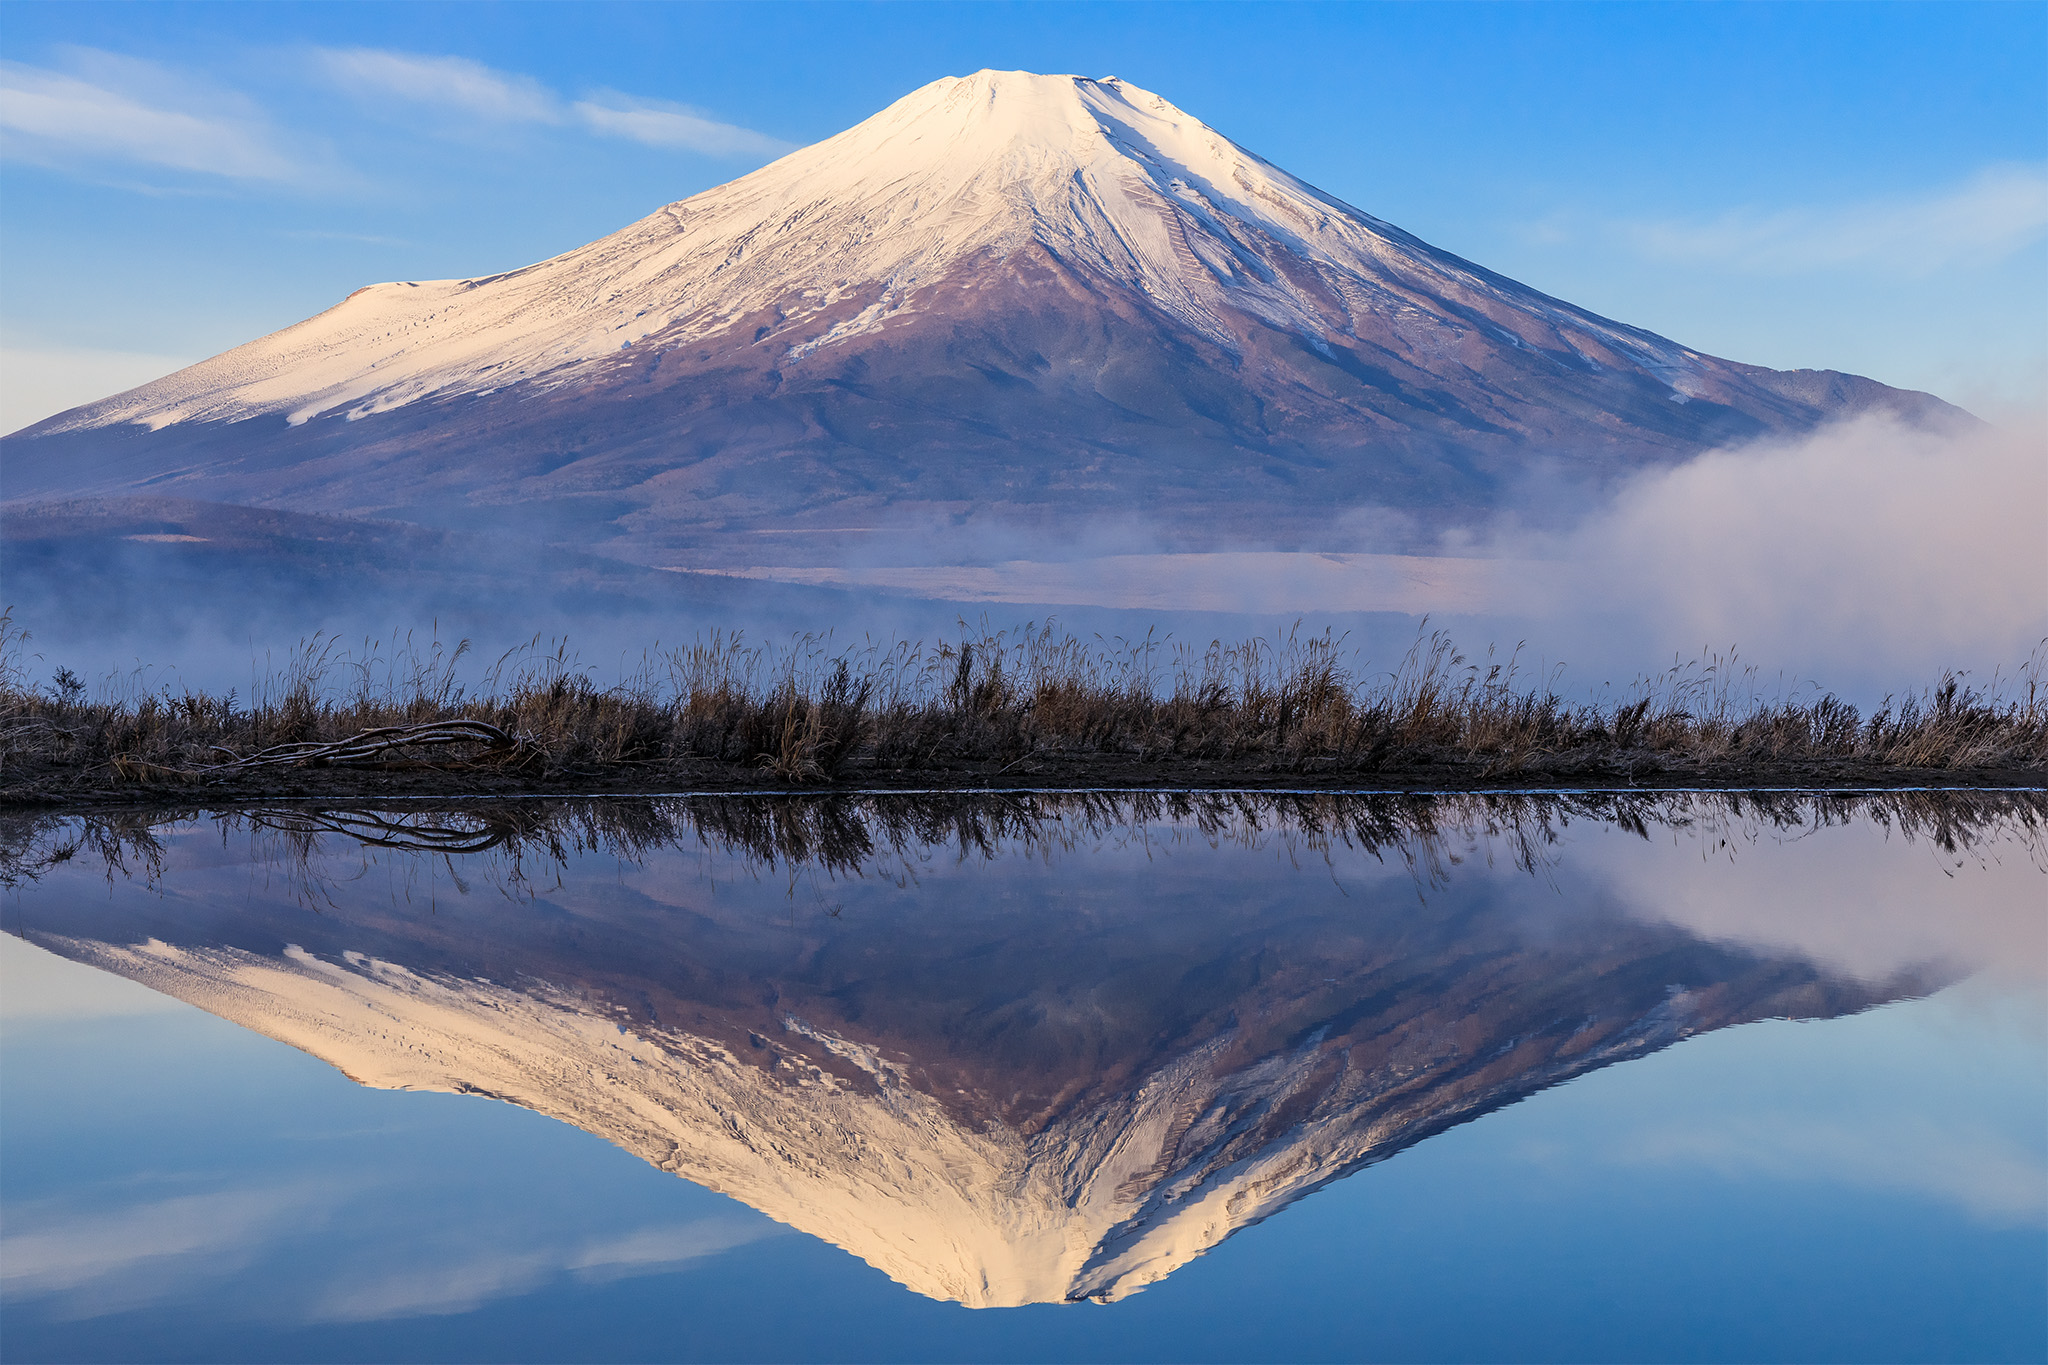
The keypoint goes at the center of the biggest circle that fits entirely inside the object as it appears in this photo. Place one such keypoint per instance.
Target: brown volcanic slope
(1032, 297)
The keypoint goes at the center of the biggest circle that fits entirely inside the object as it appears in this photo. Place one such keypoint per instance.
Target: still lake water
(1058, 1077)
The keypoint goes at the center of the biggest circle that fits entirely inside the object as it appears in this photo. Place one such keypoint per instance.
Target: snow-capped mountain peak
(1037, 295)
(1109, 179)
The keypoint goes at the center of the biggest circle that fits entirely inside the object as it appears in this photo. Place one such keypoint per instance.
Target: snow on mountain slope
(1112, 180)
(1030, 300)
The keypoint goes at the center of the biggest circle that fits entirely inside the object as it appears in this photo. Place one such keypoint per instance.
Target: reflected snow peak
(1022, 1049)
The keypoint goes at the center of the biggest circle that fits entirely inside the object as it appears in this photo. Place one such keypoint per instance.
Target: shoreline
(1043, 712)
(51, 792)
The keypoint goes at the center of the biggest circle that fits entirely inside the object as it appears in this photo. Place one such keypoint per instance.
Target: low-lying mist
(1865, 556)
(1869, 558)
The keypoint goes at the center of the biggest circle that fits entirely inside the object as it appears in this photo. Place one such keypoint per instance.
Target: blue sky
(1861, 187)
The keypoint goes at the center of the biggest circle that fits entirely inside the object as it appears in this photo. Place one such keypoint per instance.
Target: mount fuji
(1012, 296)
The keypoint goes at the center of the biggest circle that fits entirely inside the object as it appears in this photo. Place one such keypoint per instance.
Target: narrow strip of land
(1040, 712)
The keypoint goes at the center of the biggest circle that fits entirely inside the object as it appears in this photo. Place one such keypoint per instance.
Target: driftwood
(426, 832)
(374, 748)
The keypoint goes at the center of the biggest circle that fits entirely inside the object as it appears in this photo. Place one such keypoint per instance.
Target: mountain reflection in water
(1026, 1048)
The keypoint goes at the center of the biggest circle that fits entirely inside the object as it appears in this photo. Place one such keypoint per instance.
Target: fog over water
(1868, 556)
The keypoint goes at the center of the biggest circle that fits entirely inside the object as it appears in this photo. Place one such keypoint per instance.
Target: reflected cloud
(1983, 1173)
(652, 1250)
(1861, 899)
(99, 1261)
(95, 1261)
(436, 1290)
(463, 1284)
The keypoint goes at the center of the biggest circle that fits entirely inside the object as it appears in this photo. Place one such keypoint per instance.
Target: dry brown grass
(803, 713)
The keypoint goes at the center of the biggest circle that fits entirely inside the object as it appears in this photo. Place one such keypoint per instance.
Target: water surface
(1673, 1077)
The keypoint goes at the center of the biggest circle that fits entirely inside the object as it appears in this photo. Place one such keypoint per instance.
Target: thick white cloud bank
(1872, 554)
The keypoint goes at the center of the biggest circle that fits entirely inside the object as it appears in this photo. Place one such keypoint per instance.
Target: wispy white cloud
(94, 111)
(658, 123)
(487, 95)
(367, 238)
(112, 108)
(443, 82)
(2000, 210)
